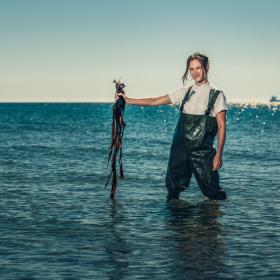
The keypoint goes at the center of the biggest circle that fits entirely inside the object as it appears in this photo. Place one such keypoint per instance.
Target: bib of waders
(196, 132)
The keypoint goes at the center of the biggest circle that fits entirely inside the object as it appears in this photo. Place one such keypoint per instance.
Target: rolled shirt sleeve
(177, 95)
(220, 104)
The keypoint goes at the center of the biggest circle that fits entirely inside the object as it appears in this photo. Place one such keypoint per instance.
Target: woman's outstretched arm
(156, 101)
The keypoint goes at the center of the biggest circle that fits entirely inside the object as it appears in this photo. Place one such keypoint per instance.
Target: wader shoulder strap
(213, 95)
(186, 98)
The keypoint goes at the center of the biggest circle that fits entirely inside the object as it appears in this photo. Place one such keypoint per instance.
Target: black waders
(192, 152)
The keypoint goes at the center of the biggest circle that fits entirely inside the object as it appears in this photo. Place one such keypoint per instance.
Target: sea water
(58, 222)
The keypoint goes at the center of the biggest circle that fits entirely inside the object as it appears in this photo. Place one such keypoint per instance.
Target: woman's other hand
(217, 162)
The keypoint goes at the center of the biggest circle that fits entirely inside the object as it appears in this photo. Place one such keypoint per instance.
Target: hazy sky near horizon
(66, 50)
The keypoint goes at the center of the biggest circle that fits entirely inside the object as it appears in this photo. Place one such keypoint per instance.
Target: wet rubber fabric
(192, 152)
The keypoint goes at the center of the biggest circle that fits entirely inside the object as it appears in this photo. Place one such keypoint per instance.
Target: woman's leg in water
(208, 180)
(178, 173)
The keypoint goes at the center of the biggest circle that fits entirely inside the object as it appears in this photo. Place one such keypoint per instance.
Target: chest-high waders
(192, 152)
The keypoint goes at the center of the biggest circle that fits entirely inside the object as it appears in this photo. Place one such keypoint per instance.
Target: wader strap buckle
(186, 98)
(213, 95)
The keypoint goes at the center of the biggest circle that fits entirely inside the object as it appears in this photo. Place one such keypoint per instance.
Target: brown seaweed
(115, 150)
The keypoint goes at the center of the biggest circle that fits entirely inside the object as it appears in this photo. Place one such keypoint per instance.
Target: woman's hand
(117, 95)
(217, 162)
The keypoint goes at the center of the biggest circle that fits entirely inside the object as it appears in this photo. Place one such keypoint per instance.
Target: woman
(203, 115)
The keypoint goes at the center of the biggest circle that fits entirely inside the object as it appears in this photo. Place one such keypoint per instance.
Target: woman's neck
(201, 83)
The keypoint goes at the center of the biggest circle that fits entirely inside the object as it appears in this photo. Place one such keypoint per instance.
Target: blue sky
(72, 50)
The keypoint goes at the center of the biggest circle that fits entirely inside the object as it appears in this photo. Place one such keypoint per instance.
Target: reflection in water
(198, 247)
(118, 247)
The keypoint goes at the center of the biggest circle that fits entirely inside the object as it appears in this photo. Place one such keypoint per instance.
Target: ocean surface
(58, 222)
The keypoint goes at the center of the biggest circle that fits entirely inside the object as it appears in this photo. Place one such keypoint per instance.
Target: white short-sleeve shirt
(198, 103)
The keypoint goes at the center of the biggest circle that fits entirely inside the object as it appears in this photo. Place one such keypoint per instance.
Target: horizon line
(112, 102)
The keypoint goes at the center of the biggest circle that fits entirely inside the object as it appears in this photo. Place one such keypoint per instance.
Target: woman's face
(197, 72)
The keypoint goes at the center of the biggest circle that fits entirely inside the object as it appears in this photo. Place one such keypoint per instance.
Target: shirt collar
(199, 88)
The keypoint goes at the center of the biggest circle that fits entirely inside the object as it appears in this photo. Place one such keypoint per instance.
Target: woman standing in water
(202, 116)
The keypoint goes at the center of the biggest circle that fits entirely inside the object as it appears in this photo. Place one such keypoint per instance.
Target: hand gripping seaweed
(115, 149)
